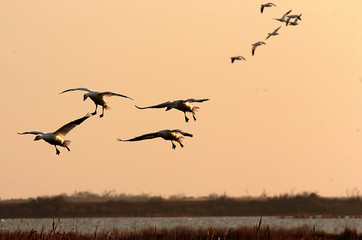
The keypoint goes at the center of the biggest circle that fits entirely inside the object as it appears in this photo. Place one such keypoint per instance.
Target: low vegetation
(108, 205)
(241, 233)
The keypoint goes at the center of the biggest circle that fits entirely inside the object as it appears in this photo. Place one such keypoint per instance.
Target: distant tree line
(87, 205)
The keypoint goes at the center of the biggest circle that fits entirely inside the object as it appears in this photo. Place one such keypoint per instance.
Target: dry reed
(184, 233)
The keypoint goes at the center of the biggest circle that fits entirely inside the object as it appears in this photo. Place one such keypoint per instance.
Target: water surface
(89, 225)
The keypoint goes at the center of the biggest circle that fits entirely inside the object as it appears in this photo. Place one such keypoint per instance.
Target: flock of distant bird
(57, 138)
(285, 18)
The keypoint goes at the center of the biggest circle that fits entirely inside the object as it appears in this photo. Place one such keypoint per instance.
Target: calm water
(88, 225)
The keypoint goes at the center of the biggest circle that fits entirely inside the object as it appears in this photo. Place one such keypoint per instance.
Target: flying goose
(255, 45)
(274, 33)
(97, 97)
(172, 135)
(56, 138)
(293, 16)
(266, 5)
(283, 17)
(293, 23)
(182, 105)
(237, 58)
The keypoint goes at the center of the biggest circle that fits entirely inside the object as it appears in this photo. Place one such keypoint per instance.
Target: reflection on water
(89, 225)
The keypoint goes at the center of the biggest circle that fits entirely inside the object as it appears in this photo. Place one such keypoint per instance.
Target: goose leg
(181, 144)
(194, 117)
(95, 111)
(67, 148)
(56, 150)
(102, 113)
(173, 145)
(186, 118)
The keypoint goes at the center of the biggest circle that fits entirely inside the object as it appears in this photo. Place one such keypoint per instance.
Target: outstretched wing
(276, 30)
(110, 94)
(142, 137)
(32, 132)
(76, 89)
(162, 105)
(196, 100)
(286, 14)
(183, 133)
(69, 126)
(253, 50)
(262, 8)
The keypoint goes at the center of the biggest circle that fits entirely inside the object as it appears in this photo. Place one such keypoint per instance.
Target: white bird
(237, 58)
(171, 135)
(293, 23)
(97, 97)
(266, 5)
(256, 45)
(56, 138)
(293, 16)
(182, 105)
(274, 33)
(283, 17)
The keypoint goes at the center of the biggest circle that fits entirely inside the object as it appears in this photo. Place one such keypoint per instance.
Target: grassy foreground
(182, 233)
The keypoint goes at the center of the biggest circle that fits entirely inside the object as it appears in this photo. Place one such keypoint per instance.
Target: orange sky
(287, 120)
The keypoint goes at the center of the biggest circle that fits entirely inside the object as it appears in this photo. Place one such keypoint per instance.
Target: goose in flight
(283, 17)
(97, 97)
(293, 23)
(266, 5)
(56, 138)
(182, 105)
(255, 45)
(237, 58)
(171, 135)
(274, 33)
(293, 16)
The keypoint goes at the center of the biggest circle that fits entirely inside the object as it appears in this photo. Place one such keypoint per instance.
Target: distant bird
(97, 97)
(266, 5)
(274, 33)
(172, 135)
(293, 23)
(283, 19)
(182, 105)
(237, 58)
(256, 45)
(56, 138)
(293, 16)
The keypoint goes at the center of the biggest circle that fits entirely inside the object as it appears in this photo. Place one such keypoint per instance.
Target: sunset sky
(286, 120)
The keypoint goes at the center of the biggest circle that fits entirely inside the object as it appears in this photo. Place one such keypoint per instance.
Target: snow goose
(283, 17)
(256, 45)
(294, 23)
(171, 135)
(274, 33)
(182, 105)
(56, 138)
(293, 16)
(237, 58)
(266, 5)
(97, 97)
